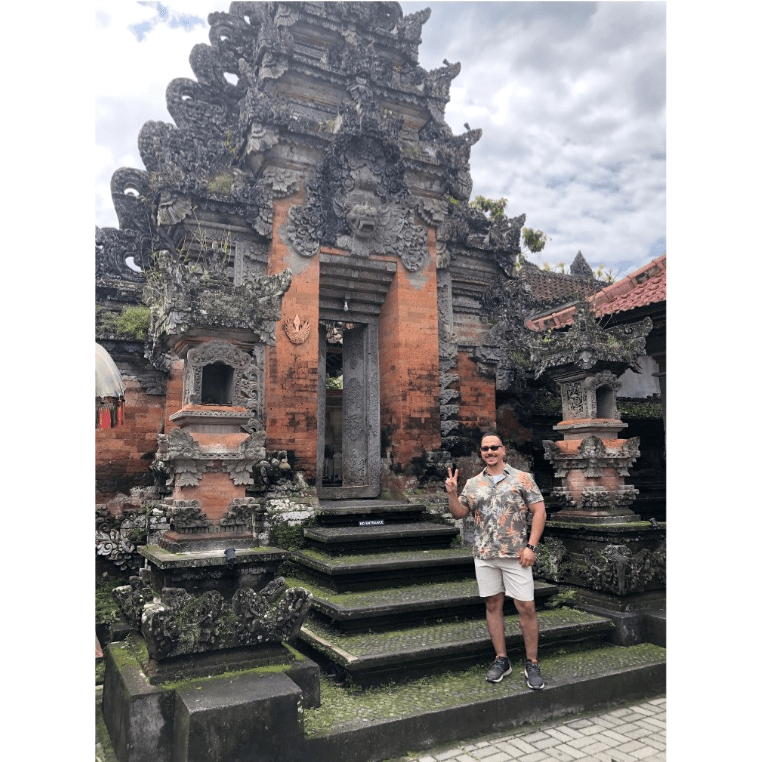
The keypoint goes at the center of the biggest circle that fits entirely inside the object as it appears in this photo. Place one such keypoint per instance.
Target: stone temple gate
(314, 216)
(310, 321)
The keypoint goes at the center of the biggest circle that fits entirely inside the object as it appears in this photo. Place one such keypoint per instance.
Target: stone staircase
(395, 598)
(399, 631)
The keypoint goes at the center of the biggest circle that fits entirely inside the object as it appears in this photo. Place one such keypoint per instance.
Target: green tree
(533, 240)
(493, 209)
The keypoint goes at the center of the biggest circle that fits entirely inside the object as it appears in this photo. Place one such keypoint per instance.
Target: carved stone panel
(355, 454)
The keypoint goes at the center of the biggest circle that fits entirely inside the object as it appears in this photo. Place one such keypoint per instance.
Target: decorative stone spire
(580, 267)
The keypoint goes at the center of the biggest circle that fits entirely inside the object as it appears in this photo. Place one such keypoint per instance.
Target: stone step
(364, 571)
(344, 539)
(434, 710)
(368, 658)
(351, 512)
(415, 603)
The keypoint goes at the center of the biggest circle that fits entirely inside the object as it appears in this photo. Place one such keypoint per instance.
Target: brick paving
(635, 733)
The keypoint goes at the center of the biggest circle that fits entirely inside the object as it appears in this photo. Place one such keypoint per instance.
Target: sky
(571, 98)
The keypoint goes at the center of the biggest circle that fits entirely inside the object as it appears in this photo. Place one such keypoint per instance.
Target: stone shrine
(595, 540)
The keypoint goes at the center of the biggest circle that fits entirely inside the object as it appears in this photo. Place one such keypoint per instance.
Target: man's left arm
(538, 520)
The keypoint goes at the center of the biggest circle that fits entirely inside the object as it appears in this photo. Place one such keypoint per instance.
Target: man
(500, 498)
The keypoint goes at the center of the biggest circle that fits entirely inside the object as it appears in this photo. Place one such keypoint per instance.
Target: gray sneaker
(499, 669)
(533, 675)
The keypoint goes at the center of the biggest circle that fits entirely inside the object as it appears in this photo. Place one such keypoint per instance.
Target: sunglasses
(491, 447)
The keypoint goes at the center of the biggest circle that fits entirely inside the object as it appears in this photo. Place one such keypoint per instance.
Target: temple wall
(409, 365)
(477, 395)
(292, 369)
(123, 454)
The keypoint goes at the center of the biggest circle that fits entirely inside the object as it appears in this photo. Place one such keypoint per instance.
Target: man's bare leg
(495, 622)
(529, 627)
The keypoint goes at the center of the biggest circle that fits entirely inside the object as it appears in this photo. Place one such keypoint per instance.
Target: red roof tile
(645, 286)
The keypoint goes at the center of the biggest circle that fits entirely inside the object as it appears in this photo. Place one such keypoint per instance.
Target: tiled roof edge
(606, 295)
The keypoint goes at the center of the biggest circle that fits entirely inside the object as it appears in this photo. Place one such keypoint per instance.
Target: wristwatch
(532, 547)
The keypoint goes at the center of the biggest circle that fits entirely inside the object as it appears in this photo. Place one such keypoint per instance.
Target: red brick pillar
(292, 377)
(174, 390)
(408, 346)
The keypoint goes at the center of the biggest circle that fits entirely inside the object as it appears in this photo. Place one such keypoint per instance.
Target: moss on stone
(106, 609)
(346, 707)
(132, 321)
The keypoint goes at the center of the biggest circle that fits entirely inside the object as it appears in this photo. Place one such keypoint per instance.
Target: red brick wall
(215, 492)
(408, 347)
(123, 454)
(478, 406)
(291, 377)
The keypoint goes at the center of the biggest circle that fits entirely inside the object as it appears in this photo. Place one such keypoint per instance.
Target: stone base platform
(386, 723)
(238, 714)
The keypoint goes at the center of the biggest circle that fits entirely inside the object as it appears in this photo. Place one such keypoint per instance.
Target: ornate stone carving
(185, 461)
(358, 200)
(132, 598)
(612, 568)
(186, 516)
(184, 295)
(296, 331)
(586, 345)
(116, 539)
(616, 569)
(206, 354)
(180, 623)
(247, 382)
(592, 456)
(240, 514)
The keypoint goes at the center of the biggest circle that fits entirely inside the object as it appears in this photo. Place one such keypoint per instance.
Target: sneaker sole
(533, 687)
(499, 679)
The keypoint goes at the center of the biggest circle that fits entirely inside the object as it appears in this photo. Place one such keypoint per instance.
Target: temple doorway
(348, 439)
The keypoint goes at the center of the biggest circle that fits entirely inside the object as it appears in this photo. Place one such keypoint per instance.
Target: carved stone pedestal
(202, 571)
(616, 570)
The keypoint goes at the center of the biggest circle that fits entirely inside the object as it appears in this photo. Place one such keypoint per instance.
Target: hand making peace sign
(450, 483)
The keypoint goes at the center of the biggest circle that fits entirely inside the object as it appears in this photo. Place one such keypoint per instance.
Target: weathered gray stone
(238, 719)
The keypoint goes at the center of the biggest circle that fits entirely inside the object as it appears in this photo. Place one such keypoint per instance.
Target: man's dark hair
(491, 433)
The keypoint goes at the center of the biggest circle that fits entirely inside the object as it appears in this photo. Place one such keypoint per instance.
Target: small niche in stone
(606, 402)
(217, 384)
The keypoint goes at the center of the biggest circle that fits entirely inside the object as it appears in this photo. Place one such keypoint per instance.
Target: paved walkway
(629, 734)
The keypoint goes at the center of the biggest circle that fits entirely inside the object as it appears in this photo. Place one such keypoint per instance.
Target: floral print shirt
(500, 511)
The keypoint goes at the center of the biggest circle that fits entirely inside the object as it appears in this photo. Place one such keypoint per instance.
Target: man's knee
(526, 608)
(494, 602)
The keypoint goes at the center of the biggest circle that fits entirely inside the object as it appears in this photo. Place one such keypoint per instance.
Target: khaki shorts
(504, 575)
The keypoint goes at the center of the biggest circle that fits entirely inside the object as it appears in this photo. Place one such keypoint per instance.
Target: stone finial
(580, 267)
(587, 346)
